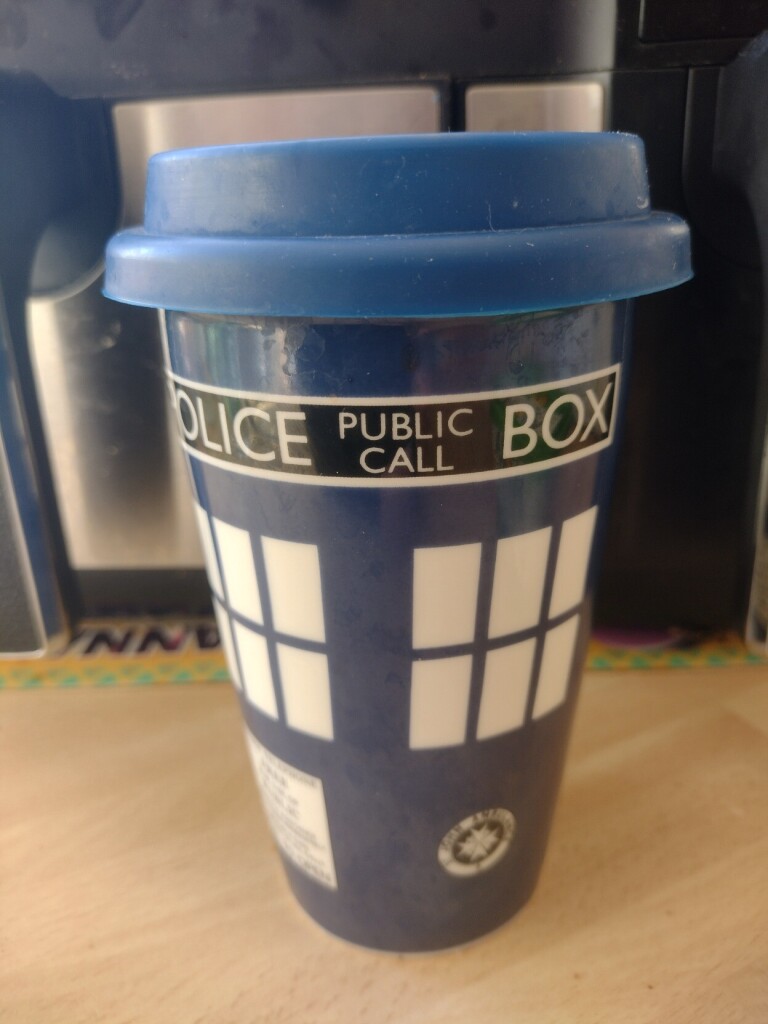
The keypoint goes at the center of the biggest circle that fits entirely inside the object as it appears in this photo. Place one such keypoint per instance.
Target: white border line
(409, 400)
(481, 476)
(31, 592)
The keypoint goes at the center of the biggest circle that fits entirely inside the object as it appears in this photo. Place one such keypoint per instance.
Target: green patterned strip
(112, 673)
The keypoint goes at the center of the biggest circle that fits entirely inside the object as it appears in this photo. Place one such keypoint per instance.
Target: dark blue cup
(397, 371)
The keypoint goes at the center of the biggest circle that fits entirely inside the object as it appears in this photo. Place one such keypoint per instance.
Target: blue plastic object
(400, 447)
(399, 226)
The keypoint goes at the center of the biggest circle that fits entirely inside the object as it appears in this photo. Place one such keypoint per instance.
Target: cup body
(401, 520)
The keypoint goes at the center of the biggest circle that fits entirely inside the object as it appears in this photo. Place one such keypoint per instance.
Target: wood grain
(138, 882)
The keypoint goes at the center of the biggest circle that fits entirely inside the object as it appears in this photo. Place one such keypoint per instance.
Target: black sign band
(416, 441)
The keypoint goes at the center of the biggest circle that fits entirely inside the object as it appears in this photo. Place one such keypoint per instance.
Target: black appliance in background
(93, 513)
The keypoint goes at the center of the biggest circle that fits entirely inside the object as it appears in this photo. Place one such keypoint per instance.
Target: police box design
(282, 670)
(441, 633)
(474, 636)
(381, 441)
(402, 576)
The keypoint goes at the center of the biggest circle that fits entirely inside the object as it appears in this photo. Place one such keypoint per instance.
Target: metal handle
(33, 620)
(741, 158)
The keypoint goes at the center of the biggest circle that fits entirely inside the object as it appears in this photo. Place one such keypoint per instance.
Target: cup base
(449, 947)
(413, 943)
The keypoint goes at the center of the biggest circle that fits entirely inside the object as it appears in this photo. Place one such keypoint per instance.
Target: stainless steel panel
(146, 128)
(122, 492)
(32, 616)
(575, 106)
(118, 471)
(25, 571)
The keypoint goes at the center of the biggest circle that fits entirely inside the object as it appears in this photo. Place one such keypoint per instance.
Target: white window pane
(505, 689)
(445, 595)
(225, 633)
(518, 582)
(211, 563)
(572, 561)
(239, 571)
(440, 702)
(256, 670)
(306, 691)
(556, 665)
(295, 592)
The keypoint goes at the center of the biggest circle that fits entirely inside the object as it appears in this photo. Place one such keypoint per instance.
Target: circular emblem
(477, 843)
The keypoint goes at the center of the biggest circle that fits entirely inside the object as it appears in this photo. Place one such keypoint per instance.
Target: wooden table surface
(138, 883)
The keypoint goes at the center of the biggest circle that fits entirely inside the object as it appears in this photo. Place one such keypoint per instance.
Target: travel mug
(397, 366)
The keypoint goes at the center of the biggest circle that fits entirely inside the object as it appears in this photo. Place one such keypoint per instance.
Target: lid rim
(435, 275)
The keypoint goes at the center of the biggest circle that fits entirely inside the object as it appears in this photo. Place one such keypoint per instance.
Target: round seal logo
(477, 843)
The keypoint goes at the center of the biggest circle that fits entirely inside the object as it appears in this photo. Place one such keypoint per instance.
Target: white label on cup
(294, 803)
(404, 441)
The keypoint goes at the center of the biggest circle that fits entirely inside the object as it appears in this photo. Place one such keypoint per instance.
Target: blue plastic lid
(399, 226)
